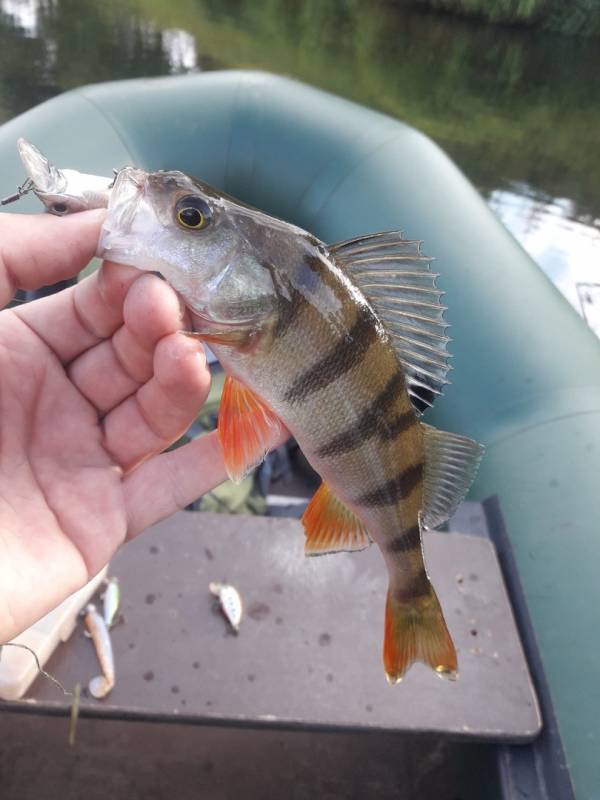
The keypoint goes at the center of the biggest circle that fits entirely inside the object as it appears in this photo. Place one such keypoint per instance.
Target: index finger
(40, 249)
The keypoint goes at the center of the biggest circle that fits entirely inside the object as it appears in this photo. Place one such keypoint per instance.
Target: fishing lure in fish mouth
(62, 191)
(345, 346)
(97, 630)
(230, 602)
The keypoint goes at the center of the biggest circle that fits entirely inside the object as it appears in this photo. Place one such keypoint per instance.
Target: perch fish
(343, 344)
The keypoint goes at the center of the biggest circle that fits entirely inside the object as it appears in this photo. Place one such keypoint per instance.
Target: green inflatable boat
(526, 379)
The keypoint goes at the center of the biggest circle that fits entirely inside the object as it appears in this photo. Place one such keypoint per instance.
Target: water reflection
(47, 46)
(567, 250)
(180, 47)
(501, 102)
(24, 14)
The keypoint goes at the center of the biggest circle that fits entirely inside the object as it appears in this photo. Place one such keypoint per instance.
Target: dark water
(518, 111)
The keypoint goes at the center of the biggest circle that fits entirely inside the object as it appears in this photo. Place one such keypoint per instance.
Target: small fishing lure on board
(97, 630)
(230, 602)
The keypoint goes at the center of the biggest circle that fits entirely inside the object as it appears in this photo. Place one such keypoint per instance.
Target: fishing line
(22, 190)
(39, 666)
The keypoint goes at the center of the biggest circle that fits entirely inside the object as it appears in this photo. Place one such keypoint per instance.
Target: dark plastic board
(309, 650)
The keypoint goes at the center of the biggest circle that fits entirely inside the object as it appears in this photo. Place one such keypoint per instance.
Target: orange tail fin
(416, 631)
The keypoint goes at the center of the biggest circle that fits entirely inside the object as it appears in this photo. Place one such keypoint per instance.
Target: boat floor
(308, 655)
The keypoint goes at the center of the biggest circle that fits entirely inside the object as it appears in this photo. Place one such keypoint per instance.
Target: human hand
(95, 382)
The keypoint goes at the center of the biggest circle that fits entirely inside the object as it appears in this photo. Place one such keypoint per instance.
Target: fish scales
(316, 372)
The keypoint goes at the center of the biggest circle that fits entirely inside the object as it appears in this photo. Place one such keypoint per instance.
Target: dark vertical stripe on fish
(395, 489)
(398, 425)
(372, 422)
(345, 354)
(289, 310)
(405, 541)
(417, 587)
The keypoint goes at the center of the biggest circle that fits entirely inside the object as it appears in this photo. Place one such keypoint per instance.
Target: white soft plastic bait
(97, 629)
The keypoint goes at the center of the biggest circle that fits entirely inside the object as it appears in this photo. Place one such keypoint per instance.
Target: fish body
(324, 370)
(97, 629)
(349, 409)
(345, 346)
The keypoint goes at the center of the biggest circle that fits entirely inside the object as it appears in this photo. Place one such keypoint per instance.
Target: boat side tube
(526, 378)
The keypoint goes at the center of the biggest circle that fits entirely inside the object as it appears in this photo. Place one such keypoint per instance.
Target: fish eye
(59, 208)
(193, 213)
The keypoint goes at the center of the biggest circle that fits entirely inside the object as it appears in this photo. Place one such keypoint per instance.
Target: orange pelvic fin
(415, 630)
(246, 426)
(330, 526)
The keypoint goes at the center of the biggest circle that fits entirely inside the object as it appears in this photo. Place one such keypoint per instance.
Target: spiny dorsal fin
(330, 526)
(395, 277)
(246, 428)
(451, 463)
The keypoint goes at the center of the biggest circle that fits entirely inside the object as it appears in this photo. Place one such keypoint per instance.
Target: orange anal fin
(330, 526)
(247, 428)
(416, 631)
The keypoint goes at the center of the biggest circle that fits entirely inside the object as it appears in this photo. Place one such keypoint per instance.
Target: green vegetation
(501, 102)
(581, 17)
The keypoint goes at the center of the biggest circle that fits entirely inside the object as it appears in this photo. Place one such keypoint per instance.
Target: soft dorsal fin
(246, 428)
(330, 526)
(451, 463)
(396, 279)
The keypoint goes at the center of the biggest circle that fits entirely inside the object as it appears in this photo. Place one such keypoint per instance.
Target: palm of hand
(62, 511)
(96, 381)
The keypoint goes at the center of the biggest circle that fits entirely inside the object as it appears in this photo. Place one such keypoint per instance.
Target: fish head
(199, 240)
(62, 191)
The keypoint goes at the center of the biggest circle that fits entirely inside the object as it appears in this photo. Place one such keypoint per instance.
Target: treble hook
(22, 190)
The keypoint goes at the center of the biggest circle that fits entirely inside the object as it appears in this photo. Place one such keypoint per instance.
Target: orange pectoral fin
(330, 526)
(247, 428)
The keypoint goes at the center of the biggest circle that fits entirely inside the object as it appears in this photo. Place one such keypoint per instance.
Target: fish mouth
(117, 237)
(128, 190)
